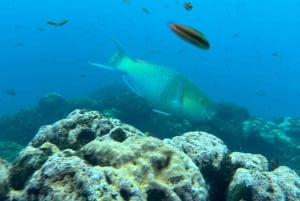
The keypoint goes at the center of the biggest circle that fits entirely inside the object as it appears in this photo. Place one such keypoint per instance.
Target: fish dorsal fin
(115, 59)
(118, 55)
(179, 94)
(131, 86)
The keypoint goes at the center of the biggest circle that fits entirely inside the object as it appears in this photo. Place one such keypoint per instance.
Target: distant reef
(89, 156)
(277, 139)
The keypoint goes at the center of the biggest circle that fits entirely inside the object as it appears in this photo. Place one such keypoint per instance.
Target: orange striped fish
(190, 35)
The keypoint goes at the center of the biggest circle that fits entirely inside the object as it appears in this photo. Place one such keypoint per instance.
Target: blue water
(254, 59)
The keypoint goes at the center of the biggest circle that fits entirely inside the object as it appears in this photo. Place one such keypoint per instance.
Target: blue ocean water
(253, 61)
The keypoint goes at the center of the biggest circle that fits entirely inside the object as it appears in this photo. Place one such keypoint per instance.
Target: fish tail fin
(115, 59)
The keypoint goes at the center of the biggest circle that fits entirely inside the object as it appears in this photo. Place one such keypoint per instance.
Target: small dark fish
(20, 44)
(188, 6)
(190, 35)
(145, 10)
(53, 23)
(10, 92)
(260, 93)
(40, 29)
(153, 51)
(273, 163)
(235, 35)
(63, 22)
(82, 75)
(274, 54)
(180, 51)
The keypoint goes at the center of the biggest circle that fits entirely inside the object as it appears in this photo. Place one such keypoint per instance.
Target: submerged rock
(88, 156)
(4, 179)
(203, 148)
(250, 184)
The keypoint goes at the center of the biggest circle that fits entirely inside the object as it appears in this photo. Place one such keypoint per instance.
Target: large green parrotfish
(168, 91)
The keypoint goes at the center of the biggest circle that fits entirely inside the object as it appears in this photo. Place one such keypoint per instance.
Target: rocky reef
(88, 156)
(278, 139)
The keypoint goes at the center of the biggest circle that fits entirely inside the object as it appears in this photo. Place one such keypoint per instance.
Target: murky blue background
(254, 59)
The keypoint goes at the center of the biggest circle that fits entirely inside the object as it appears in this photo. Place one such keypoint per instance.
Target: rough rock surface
(279, 184)
(88, 156)
(4, 180)
(248, 161)
(205, 149)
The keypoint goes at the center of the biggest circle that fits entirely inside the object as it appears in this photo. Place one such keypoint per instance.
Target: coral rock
(90, 157)
(279, 184)
(4, 180)
(248, 161)
(203, 148)
(155, 168)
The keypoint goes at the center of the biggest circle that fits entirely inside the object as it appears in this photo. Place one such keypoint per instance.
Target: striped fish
(190, 35)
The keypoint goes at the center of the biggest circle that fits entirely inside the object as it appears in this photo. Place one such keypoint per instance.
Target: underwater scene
(163, 100)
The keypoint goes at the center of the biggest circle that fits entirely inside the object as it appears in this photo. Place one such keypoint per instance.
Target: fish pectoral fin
(131, 85)
(102, 66)
(179, 94)
(161, 112)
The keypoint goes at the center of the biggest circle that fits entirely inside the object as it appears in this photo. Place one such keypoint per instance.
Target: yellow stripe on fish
(168, 91)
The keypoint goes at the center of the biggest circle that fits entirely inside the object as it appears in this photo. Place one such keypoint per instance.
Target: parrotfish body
(168, 91)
